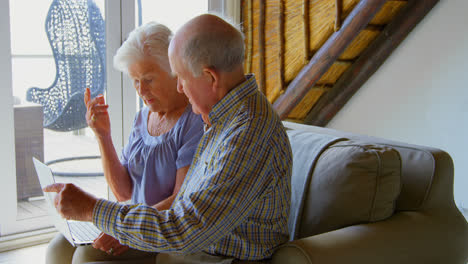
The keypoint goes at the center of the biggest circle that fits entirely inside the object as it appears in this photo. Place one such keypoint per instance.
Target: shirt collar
(237, 94)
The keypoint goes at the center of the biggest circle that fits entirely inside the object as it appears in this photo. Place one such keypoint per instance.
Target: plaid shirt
(236, 196)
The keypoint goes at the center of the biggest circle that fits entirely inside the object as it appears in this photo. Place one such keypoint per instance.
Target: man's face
(197, 89)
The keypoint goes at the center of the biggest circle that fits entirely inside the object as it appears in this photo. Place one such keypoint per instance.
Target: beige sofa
(359, 199)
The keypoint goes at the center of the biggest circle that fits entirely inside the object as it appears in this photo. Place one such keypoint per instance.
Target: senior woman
(163, 140)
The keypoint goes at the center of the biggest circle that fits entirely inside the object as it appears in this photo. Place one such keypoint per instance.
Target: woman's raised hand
(97, 116)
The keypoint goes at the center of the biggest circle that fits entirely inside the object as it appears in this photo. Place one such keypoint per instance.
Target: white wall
(7, 136)
(420, 94)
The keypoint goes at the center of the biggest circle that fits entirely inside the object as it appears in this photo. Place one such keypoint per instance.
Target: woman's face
(155, 86)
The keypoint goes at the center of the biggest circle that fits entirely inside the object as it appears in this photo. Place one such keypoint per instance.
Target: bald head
(209, 41)
(209, 23)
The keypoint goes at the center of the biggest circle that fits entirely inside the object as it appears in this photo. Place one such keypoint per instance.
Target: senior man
(234, 202)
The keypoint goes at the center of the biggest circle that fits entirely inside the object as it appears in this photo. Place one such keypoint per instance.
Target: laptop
(76, 232)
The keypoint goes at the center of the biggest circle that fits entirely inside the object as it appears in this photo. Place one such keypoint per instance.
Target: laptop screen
(46, 178)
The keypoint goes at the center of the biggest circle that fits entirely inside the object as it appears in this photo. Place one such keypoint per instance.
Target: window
(33, 65)
(26, 60)
(169, 14)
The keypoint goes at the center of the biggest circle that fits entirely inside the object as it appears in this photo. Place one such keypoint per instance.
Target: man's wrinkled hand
(109, 245)
(72, 202)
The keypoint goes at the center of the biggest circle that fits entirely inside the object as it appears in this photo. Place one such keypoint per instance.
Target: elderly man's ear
(212, 77)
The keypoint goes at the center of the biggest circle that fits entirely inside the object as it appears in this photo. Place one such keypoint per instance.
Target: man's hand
(72, 202)
(109, 245)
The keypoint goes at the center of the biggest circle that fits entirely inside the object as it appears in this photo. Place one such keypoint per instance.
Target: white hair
(223, 51)
(151, 39)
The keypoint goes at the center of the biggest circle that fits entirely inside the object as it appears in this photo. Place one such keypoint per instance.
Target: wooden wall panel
(247, 28)
(301, 50)
(321, 22)
(255, 47)
(273, 52)
(294, 39)
(360, 43)
(334, 73)
(388, 12)
(302, 109)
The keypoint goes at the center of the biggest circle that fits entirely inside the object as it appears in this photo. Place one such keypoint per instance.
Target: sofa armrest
(406, 237)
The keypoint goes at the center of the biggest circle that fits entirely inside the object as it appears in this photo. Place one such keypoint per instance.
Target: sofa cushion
(351, 183)
(306, 149)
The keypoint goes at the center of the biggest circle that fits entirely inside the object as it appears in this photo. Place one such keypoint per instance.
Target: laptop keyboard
(83, 231)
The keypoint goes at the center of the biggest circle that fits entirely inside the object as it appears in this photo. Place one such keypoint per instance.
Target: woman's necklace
(157, 125)
(161, 124)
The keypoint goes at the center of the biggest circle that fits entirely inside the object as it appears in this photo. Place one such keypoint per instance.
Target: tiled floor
(29, 255)
(32, 214)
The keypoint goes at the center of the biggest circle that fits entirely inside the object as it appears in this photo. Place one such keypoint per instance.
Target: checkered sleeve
(227, 192)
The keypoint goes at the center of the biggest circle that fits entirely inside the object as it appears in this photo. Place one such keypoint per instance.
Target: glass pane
(168, 13)
(46, 123)
(27, 27)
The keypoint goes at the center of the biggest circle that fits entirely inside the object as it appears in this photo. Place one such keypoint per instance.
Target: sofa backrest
(357, 179)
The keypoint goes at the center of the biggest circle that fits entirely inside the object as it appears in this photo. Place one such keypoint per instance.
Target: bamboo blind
(281, 36)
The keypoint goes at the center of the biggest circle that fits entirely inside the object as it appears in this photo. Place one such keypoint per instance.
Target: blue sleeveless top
(152, 161)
